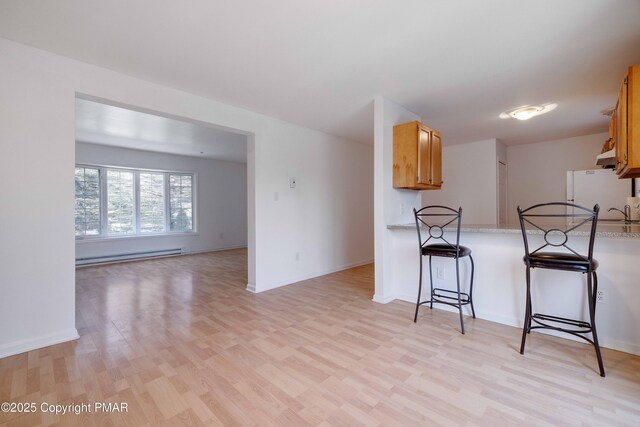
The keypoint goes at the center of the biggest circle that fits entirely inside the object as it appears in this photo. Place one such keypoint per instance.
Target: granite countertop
(613, 229)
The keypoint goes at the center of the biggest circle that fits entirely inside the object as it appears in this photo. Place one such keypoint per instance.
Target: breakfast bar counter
(607, 229)
(499, 286)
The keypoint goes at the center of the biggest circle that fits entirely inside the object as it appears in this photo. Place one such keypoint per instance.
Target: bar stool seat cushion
(442, 249)
(561, 261)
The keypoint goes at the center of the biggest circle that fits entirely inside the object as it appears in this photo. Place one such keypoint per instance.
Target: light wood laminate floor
(182, 342)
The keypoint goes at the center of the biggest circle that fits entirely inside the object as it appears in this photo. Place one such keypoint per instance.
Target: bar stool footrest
(449, 295)
(540, 319)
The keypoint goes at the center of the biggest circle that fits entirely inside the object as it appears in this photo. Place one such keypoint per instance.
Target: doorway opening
(150, 184)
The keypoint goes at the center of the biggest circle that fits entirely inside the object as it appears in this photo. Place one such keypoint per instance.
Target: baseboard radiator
(124, 257)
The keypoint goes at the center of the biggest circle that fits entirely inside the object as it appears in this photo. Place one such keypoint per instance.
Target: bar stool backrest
(554, 222)
(436, 218)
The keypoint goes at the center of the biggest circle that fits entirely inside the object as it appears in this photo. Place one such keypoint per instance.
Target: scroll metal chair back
(433, 242)
(555, 253)
(555, 224)
(435, 219)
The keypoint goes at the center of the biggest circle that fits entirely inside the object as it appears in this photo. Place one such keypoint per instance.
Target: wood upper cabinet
(436, 159)
(626, 125)
(618, 127)
(417, 157)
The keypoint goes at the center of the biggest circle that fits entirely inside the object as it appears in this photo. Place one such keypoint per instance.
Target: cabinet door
(424, 161)
(621, 129)
(611, 142)
(632, 116)
(436, 159)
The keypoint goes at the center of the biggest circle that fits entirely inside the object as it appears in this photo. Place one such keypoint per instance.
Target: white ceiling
(319, 63)
(104, 124)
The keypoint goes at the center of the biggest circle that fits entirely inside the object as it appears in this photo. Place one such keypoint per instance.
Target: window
(120, 202)
(180, 198)
(114, 202)
(87, 202)
(152, 215)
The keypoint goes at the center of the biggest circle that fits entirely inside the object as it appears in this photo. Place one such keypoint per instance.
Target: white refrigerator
(602, 186)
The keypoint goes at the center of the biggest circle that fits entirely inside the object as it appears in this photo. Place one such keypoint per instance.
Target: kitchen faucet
(626, 213)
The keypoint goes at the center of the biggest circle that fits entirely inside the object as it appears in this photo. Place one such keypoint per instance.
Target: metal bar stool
(557, 236)
(435, 219)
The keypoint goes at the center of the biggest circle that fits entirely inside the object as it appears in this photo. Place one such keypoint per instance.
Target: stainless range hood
(607, 159)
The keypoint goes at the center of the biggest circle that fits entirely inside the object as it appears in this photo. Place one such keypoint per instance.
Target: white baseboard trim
(251, 287)
(25, 345)
(624, 346)
(225, 248)
(142, 258)
(627, 347)
(383, 299)
(351, 265)
(313, 275)
(407, 298)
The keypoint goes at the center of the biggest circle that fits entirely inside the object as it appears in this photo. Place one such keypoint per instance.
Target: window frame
(100, 202)
(168, 205)
(105, 208)
(167, 200)
(104, 235)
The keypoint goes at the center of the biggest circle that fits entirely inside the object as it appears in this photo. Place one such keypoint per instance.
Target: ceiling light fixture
(526, 112)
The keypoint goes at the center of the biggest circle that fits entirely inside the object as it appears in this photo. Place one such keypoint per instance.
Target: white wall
(221, 204)
(327, 219)
(501, 152)
(330, 209)
(37, 292)
(469, 172)
(391, 206)
(537, 172)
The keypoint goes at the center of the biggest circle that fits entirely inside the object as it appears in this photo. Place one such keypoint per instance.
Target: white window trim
(104, 236)
(89, 239)
(100, 202)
